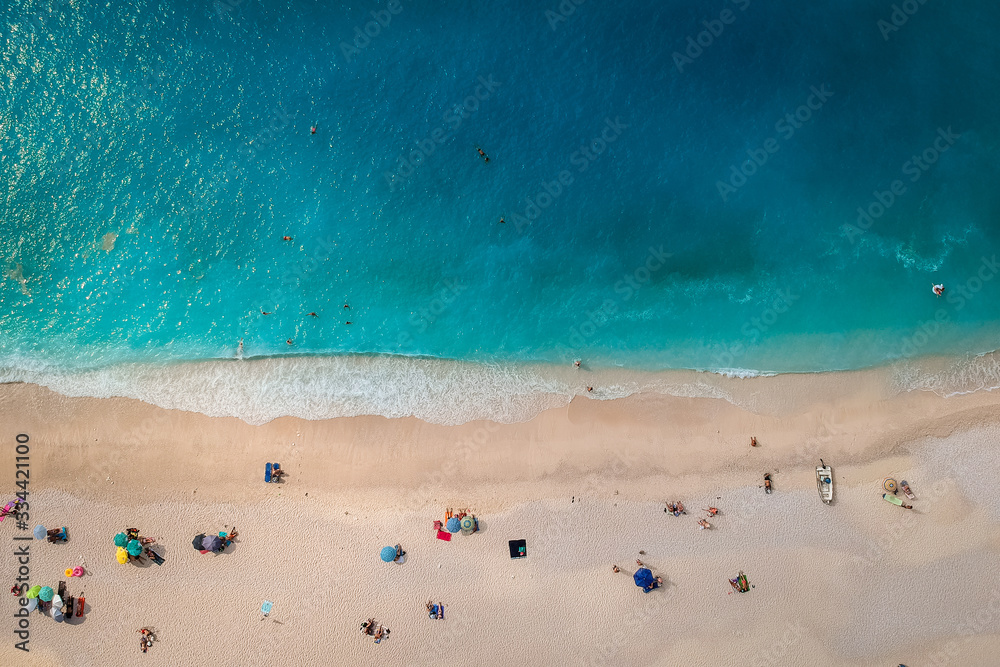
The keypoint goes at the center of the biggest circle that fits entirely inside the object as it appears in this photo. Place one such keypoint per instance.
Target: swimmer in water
(263, 312)
(313, 315)
(239, 350)
(289, 341)
(502, 221)
(286, 238)
(938, 290)
(482, 154)
(312, 130)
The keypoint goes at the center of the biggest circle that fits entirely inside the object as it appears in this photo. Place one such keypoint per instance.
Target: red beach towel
(444, 535)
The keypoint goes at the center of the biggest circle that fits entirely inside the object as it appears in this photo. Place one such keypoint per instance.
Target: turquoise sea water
(680, 184)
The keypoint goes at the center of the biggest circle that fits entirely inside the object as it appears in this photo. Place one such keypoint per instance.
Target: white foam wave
(949, 377)
(436, 391)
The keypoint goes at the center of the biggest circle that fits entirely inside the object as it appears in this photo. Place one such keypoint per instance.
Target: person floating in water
(313, 315)
(347, 323)
(264, 312)
(938, 290)
(239, 350)
(312, 130)
(482, 154)
(286, 238)
(502, 221)
(346, 307)
(289, 341)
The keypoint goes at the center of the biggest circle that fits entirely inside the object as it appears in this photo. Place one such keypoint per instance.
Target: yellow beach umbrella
(122, 555)
(889, 484)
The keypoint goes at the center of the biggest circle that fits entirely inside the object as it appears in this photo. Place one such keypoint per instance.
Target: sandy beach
(860, 582)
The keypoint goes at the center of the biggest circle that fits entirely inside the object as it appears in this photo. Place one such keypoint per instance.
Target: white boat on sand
(824, 482)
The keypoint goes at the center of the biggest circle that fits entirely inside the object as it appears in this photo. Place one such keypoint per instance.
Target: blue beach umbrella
(121, 539)
(46, 593)
(643, 578)
(454, 525)
(133, 547)
(388, 554)
(39, 532)
(468, 524)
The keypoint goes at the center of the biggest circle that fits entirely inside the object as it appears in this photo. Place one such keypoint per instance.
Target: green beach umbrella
(33, 592)
(121, 539)
(133, 547)
(46, 593)
(467, 524)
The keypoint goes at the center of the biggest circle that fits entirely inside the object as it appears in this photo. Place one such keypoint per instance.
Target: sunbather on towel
(378, 635)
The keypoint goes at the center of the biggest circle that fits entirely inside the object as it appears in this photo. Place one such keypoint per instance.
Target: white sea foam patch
(949, 377)
(437, 391)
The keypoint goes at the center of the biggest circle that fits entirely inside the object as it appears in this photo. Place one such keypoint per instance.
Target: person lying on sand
(378, 635)
(367, 626)
(712, 511)
(767, 483)
(147, 540)
(704, 524)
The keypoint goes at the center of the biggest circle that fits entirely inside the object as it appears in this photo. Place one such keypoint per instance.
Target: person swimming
(286, 238)
(482, 154)
(938, 289)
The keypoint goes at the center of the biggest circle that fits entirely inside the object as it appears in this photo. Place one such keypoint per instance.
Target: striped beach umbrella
(889, 484)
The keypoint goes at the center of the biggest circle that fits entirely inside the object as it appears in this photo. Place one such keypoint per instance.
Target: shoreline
(450, 392)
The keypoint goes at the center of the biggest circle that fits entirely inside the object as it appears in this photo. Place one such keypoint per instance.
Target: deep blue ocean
(735, 186)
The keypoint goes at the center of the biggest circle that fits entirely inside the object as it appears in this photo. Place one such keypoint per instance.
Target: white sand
(858, 583)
